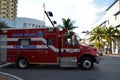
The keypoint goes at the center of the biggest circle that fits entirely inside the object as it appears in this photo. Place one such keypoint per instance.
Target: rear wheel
(86, 63)
(22, 63)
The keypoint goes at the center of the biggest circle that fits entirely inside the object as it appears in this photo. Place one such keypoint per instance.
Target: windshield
(72, 40)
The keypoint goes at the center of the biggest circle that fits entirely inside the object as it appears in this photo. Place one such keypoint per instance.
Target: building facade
(112, 18)
(22, 22)
(8, 9)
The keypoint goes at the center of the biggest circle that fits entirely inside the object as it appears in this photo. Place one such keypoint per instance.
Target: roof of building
(111, 5)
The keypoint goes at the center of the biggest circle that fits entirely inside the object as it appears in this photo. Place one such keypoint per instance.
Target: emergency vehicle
(48, 45)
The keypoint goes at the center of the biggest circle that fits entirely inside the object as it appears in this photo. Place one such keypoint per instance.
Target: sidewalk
(112, 55)
(3, 77)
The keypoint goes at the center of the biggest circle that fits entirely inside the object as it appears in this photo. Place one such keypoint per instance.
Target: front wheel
(22, 63)
(86, 63)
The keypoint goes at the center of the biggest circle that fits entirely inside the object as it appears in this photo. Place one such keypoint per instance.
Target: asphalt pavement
(7, 76)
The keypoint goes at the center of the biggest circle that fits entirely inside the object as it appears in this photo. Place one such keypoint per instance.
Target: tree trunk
(110, 49)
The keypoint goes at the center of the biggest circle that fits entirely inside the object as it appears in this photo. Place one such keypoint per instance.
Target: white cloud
(82, 11)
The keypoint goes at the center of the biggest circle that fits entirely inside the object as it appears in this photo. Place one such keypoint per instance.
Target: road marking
(3, 65)
(10, 75)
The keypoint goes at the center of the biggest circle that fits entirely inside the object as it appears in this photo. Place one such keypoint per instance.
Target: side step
(68, 62)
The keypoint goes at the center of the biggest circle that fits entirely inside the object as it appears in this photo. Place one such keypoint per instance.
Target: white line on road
(3, 65)
(10, 75)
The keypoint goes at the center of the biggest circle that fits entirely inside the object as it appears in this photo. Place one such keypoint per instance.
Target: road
(108, 69)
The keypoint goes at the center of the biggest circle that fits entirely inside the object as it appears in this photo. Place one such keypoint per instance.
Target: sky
(85, 13)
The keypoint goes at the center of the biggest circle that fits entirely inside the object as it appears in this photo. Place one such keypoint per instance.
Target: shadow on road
(46, 67)
(104, 61)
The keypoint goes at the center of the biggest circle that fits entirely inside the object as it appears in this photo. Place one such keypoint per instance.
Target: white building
(112, 17)
(22, 22)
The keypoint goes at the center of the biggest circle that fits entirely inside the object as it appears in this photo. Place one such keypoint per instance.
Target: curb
(112, 55)
(7, 76)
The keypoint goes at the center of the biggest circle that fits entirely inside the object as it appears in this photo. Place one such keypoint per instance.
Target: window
(32, 25)
(29, 25)
(3, 16)
(3, 12)
(12, 9)
(24, 24)
(24, 41)
(117, 15)
(50, 41)
(72, 40)
(68, 41)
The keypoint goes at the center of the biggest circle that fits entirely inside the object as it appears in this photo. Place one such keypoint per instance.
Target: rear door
(3, 48)
(51, 54)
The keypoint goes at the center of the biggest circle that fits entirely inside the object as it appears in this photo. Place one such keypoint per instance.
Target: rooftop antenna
(48, 14)
(43, 13)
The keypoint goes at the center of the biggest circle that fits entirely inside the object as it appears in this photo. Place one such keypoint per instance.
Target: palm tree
(96, 36)
(101, 34)
(3, 25)
(67, 25)
(110, 36)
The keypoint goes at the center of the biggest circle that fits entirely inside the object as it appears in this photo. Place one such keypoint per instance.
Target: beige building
(112, 17)
(8, 9)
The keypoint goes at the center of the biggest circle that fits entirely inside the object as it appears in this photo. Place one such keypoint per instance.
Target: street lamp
(86, 33)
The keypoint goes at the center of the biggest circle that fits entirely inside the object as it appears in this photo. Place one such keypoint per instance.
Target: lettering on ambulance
(25, 47)
(39, 34)
(62, 50)
(70, 50)
(17, 35)
(29, 34)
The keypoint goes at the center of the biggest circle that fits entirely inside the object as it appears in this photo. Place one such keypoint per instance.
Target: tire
(86, 63)
(22, 63)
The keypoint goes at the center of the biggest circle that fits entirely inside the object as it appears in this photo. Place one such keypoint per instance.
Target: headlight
(97, 54)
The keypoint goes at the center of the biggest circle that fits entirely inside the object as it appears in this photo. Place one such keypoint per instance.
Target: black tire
(86, 63)
(22, 63)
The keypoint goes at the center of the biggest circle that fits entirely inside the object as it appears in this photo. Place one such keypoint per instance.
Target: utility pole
(119, 5)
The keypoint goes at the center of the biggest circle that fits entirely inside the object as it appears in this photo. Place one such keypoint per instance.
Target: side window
(68, 41)
(50, 41)
(24, 41)
(72, 40)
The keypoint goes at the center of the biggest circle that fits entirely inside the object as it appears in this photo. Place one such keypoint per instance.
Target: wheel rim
(87, 64)
(22, 63)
